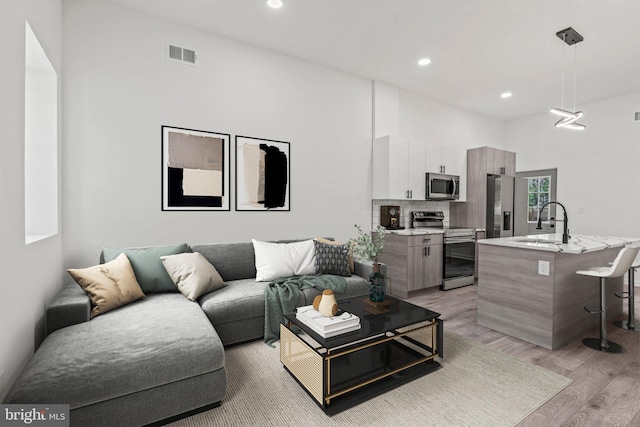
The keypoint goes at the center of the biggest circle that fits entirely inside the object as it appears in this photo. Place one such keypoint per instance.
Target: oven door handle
(459, 240)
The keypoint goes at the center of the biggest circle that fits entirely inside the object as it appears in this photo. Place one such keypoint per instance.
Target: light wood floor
(605, 389)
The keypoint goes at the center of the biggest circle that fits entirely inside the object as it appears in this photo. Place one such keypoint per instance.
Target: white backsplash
(406, 207)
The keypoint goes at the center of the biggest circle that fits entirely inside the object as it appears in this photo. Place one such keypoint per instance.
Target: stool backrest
(623, 261)
(636, 262)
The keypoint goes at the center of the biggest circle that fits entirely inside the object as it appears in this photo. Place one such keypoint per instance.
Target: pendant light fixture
(569, 119)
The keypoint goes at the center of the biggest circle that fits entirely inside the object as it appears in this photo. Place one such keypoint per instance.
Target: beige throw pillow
(110, 285)
(193, 274)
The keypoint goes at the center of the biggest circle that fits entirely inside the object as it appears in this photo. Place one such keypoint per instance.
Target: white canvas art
(262, 174)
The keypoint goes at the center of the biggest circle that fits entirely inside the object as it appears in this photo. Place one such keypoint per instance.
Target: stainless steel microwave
(442, 187)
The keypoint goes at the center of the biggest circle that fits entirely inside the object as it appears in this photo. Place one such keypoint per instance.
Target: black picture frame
(263, 174)
(195, 170)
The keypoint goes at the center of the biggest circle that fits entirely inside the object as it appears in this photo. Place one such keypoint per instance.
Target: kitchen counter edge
(553, 242)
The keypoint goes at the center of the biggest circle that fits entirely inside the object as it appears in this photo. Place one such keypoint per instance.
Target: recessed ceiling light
(506, 95)
(276, 4)
(424, 62)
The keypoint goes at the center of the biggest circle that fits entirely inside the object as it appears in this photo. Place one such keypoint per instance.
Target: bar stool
(620, 265)
(630, 323)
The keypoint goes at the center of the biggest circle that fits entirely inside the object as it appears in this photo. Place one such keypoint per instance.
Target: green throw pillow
(147, 265)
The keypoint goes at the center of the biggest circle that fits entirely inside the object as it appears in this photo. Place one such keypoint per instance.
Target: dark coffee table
(389, 350)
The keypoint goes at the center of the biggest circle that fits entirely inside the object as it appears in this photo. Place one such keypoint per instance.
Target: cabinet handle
(424, 250)
(407, 194)
(444, 168)
(426, 240)
(428, 250)
(411, 194)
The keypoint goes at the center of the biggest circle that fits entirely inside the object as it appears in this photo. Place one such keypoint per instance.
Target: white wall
(119, 90)
(598, 179)
(30, 273)
(416, 117)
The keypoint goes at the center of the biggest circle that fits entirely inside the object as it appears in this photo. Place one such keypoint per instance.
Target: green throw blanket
(281, 296)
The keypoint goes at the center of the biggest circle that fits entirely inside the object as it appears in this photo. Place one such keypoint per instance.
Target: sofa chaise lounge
(159, 358)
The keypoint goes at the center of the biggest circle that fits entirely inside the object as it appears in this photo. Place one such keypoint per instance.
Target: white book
(309, 316)
(332, 334)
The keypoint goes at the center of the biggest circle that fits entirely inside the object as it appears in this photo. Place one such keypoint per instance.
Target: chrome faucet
(565, 220)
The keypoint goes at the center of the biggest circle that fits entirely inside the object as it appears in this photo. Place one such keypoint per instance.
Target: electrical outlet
(543, 268)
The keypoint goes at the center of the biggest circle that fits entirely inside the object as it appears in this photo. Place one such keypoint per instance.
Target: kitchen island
(528, 287)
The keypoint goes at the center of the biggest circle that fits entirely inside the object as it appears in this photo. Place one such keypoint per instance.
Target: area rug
(476, 386)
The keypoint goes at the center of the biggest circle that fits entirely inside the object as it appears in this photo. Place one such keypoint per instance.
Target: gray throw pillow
(331, 259)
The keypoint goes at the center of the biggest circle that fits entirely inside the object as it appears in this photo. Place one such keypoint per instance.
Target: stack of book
(327, 327)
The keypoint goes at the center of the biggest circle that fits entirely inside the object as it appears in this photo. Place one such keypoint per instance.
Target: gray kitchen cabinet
(426, 263)
(499, 162)
(481, 162)
(414, 262)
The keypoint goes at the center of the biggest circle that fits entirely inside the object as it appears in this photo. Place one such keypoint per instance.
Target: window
(40, 142)
(539, 192)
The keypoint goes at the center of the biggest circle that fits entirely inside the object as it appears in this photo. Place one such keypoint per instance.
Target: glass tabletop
(400, 314)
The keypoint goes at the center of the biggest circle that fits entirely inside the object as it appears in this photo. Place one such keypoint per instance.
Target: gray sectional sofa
(157, 359)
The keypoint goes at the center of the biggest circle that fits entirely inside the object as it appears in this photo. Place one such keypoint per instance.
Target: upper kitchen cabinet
(433, 158)
(450, 161)
(500, 162)
(400, 166)
(398, 169)
(416, 171)
(481, 162)
(441, 159)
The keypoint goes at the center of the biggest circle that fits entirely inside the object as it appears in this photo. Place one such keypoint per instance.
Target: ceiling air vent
(181, 54)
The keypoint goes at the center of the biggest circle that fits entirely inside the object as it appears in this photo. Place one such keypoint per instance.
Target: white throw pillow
(277, 260)
(193, 274)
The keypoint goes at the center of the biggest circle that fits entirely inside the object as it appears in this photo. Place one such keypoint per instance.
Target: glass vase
(376, 284)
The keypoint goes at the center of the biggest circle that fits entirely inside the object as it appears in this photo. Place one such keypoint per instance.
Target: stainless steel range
(459, 248)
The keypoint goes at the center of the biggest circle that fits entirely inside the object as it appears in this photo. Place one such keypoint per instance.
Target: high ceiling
(478, 48)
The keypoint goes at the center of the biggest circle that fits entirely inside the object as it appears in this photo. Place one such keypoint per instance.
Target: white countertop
(578, 243)
(421, 231)
(415, 231)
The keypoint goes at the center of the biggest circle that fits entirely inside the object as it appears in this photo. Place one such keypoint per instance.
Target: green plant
(365, 246)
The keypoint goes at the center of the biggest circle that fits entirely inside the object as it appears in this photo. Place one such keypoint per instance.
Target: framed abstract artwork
(262, 174)
(195, 170)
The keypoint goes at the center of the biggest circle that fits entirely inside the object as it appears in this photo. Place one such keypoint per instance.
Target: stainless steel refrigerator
(500, 206)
